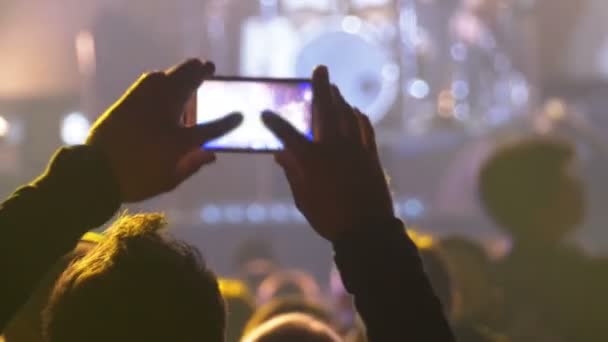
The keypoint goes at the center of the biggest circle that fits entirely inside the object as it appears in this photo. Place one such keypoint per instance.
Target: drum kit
(420, 66)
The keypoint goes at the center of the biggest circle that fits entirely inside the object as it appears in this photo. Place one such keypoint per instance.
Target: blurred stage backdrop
(443, 81)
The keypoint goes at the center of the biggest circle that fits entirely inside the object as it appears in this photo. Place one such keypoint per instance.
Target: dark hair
(137, 285)
(519, 180)
(26, 325)
(286, 305)
(294, 327)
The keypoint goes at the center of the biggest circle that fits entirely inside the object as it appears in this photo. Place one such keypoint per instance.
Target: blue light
(233, 214)
(279, 213)
(418, 88)
(256, 213)
(413, 208)
(211, 214)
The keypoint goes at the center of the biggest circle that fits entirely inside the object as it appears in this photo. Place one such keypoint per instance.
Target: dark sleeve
(381, 268)
(42, 221)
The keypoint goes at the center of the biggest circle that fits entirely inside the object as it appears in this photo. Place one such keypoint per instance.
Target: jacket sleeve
(42, 221)
(381, 268)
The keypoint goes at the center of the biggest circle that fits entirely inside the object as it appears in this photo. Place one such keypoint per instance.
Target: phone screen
(289, 98)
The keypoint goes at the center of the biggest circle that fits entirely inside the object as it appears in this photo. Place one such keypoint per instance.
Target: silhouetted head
(287, 305)
(136, 285)
(530, 190)
(293, 327)
(288, 283)
(255, 260)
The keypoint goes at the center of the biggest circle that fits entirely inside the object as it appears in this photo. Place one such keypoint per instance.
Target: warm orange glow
(85, 53)
(422, 241)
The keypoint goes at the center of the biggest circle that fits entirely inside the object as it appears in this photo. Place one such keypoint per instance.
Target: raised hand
(142, 136)
(337, 180)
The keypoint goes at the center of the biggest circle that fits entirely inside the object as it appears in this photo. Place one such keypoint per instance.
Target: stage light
(351, 24)
(5, 127)
(460, 89)
(234, 214)
(418, 89)
(462, 111)
(75, 128)
(279, 213)
(85, 52)
(413, 208)
(390, 72)
(256, 213)
(211, 214)
(555, 109)
(520, 93)
(458, 51)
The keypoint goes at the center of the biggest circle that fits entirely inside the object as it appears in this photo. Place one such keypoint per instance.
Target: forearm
(44, 220)
(381, 267)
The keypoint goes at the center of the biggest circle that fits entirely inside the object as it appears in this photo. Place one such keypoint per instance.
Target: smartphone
(289, 98)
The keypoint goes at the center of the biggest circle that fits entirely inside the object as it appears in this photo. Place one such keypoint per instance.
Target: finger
(201, 134)
(367, 132)
(144, 87)
(191, 162)
(289, 136)
(323, 112)
(349, 127)
(287, 161)
(185, 78)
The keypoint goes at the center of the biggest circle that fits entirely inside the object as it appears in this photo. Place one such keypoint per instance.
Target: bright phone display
(290, 98)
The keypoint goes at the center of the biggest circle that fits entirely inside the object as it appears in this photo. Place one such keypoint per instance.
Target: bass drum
(364, 68)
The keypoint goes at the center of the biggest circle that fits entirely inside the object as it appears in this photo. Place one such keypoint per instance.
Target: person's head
(136, 285)
(529, 189)
(240, 306)
(26, 325)
(288, 283)
(294, 327)
(255, 260)
(286, 305)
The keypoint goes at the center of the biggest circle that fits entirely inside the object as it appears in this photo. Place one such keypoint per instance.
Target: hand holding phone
(337, 180)
(291, 98)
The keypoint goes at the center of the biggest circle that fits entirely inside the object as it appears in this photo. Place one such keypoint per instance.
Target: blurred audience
(285, 305)
(477, 299)
(552, 290)
(240, 306)
(255, 260)
(288, 283)
(293, 327)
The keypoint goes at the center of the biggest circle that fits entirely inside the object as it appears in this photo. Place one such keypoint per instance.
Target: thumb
(201, 134)
(191, 162)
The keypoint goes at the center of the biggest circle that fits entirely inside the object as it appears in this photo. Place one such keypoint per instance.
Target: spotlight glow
(75, 128)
